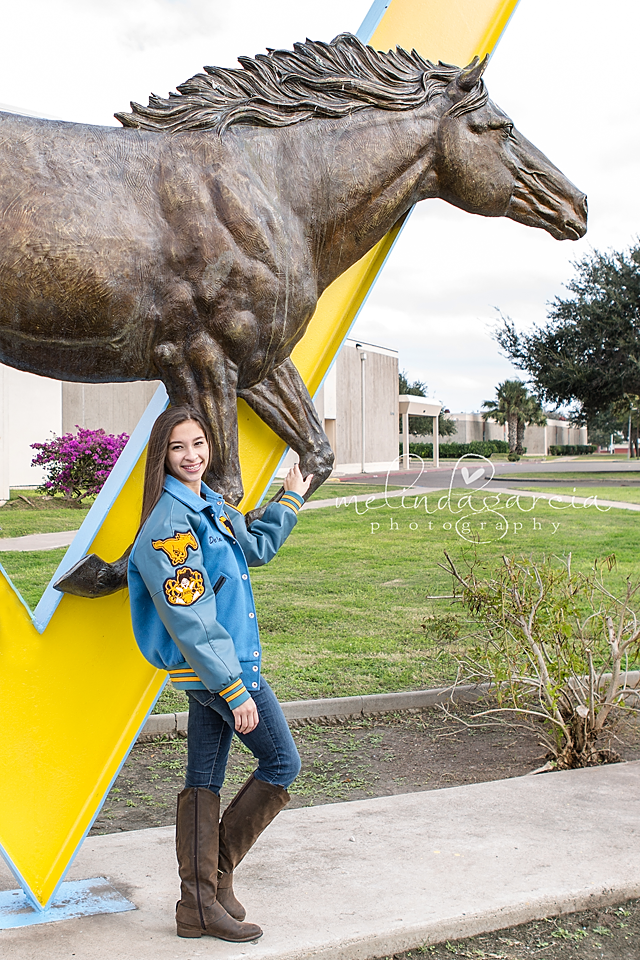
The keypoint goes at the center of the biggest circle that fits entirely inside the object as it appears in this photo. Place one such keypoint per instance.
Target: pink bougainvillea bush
(77, 464)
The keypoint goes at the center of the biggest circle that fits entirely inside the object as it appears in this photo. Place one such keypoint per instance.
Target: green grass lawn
(344, 607)
(31, 571)
(335, 488)
(630, 494)
(627, 492)
(577, 475)
(18, 518)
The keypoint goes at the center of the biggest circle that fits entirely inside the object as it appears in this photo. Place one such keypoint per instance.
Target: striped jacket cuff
(182, 674)
(292, 500)
(235, 694)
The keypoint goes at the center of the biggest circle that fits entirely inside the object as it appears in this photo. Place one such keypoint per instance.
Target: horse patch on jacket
(187, 587)
(176, 546)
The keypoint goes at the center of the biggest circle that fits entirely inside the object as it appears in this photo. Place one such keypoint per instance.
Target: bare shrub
(553, 643)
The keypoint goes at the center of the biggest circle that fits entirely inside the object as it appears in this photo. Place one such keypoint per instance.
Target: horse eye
(508, 129)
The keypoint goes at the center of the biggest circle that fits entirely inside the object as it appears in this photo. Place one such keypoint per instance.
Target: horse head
(485, 166)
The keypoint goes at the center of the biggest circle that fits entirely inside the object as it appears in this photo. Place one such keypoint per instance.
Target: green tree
(613, 421)
(510, 406)
(588, 353)
(423, 426)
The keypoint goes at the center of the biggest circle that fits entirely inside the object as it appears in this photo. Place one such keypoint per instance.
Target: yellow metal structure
(77, 691)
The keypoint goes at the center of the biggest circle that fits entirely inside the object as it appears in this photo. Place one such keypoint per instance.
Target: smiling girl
(194, 616)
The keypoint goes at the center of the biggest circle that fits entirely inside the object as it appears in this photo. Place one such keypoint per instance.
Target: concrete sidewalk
(38, 541)
(353, 881)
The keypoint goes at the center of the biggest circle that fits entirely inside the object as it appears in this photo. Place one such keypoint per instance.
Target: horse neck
(362, 174)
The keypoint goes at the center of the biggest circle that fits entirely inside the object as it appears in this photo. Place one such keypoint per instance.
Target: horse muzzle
(575, 226)
(560, 209)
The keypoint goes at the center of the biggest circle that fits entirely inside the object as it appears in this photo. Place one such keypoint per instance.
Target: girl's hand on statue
(295, 482)
(246, 716)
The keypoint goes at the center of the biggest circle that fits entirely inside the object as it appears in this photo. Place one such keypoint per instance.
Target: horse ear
(469, 76)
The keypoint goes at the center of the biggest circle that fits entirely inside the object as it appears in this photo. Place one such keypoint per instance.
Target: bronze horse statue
(192, 245)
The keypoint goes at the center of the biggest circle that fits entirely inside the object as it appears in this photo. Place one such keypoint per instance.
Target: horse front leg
(282, 401)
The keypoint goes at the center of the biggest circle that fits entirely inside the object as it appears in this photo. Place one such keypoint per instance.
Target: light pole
(363, 360)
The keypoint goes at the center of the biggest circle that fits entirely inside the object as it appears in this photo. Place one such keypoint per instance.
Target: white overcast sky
(565, 71)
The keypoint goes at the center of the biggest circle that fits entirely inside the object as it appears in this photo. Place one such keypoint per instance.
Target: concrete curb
(297, 711)
(340, 708)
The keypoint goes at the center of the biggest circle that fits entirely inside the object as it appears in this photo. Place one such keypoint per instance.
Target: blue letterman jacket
(192, 604)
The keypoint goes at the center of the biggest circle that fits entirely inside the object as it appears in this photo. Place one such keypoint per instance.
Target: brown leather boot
(197, 912)
(249, 813)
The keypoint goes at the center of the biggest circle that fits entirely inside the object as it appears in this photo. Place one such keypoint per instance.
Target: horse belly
(78, 252)
(74, 306)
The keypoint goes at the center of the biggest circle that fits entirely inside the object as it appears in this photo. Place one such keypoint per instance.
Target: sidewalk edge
(299, 711)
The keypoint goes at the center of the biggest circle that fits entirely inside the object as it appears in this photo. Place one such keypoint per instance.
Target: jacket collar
(185, 495)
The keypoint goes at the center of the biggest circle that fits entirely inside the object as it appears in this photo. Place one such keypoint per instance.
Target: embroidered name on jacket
(187, 587)
(176, 546)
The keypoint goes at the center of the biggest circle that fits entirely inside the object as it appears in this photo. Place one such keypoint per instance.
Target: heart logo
(475, 471)
(474, 476)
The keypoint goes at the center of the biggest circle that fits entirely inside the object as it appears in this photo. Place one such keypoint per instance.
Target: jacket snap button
(254, 684)
(255, 668)
(252, 615)
(256, 653)
(244, 576)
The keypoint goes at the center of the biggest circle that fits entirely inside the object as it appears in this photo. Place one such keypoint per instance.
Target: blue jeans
(211, 729)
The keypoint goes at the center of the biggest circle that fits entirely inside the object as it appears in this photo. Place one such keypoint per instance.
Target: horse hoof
(93, 577)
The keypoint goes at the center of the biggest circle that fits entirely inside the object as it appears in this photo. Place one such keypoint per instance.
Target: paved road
(431, 477)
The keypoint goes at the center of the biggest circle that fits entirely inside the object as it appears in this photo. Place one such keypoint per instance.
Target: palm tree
(508, 407)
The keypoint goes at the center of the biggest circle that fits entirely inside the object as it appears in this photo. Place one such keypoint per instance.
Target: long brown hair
(155, 469)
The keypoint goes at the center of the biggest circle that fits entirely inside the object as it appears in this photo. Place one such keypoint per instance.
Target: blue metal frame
(370, 23)
(101, 506)
(76, 898)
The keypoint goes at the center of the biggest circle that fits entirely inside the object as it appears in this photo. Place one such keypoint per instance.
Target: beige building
(471, 426)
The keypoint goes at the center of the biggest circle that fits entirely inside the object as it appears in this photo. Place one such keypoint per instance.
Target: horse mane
(315, 79)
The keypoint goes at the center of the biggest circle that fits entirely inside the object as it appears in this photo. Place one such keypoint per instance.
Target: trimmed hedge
(453, 451)
(571, 449)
